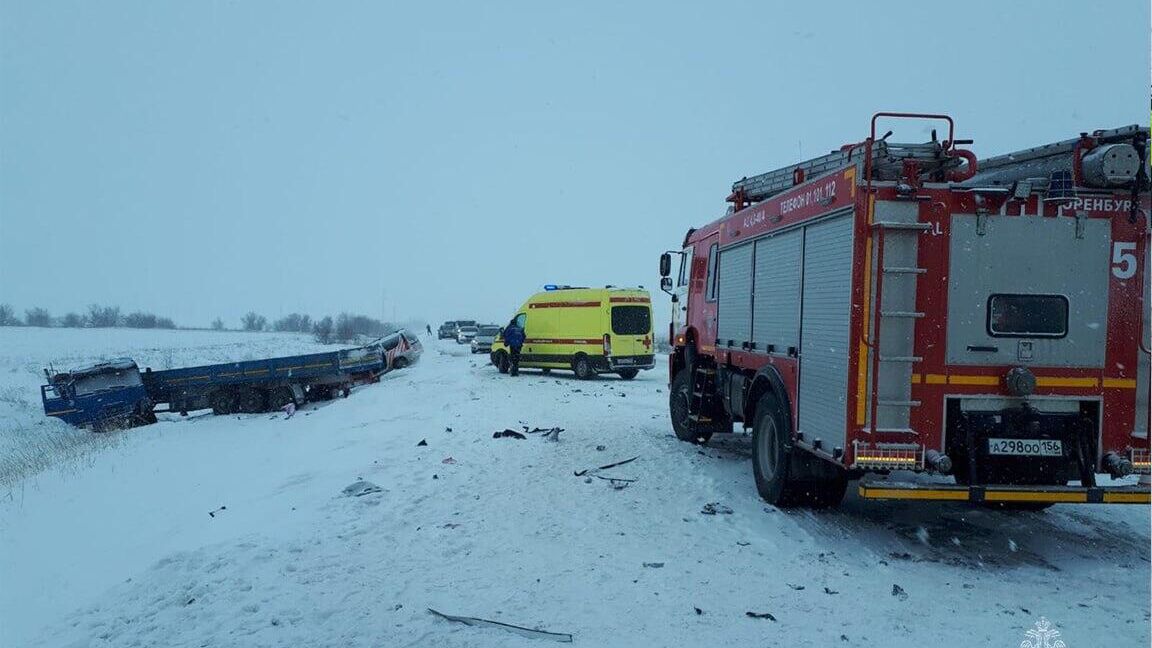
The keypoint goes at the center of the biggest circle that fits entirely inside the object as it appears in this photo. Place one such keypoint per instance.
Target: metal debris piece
(361, 488)
(760, 615)
(561, 637)
(654, 565)
(513, 434)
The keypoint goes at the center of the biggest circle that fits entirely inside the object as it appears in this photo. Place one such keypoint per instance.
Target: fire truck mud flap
(887, 490)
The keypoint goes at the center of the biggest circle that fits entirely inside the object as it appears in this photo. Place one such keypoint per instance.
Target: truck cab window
(712, 273)
(685, 266)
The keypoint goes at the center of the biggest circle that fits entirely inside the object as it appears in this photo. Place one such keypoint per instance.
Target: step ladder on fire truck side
(703, 390)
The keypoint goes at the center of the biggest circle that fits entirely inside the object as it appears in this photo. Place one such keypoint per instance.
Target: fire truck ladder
(893, 339)
(886, 161)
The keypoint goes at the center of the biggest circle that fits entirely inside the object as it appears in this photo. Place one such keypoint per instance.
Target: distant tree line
(98, 316)
(345, 327)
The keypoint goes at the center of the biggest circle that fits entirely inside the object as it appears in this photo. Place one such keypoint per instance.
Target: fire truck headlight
(1020, 382)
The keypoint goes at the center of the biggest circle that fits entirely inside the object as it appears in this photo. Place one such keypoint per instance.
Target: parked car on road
(464, 334)
(486, 334)
(450, 329)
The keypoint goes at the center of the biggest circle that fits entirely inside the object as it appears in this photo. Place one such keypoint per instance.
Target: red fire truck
(893, 308)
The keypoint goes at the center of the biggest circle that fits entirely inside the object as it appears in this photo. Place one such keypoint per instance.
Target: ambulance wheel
(772, 451)
(500, 359)
(628, 374)
(251, 401)
(222, 402)
(678, 401)
(582, 367)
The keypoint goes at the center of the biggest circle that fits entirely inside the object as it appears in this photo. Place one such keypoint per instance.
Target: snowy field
(235, 531)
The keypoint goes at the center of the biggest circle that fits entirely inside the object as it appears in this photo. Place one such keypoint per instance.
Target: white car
(464, 334)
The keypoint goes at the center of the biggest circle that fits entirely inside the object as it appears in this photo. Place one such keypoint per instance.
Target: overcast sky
(439, 160)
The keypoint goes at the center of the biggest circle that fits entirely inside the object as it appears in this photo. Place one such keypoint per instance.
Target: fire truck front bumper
(887, 490)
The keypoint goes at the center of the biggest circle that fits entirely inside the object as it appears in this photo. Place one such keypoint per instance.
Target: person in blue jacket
(514, 338)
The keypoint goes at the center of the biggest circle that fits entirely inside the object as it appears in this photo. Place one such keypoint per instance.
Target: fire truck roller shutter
(1024, 260)
(734, 311)
(827, 308)
(776, 308)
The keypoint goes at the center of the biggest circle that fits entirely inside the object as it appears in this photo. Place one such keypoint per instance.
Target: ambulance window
(1028, 316)
(521, 320)
(685, 266)
(631, 320)
(712, 273)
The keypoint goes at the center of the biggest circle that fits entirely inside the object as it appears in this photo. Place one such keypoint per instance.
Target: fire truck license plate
(1026, 447)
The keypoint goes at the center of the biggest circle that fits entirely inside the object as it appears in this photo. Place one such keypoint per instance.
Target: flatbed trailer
(117, 394)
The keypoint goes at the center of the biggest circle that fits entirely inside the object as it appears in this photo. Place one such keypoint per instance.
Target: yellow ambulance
(587, 330)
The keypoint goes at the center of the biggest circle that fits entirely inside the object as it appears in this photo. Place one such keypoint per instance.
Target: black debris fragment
(601, 448)
(899, 592)
(423, 442)
(795, 587)
(830, 591)
(361, 488)
(508, 433)
(698, 611)
(212, 514)
(760, 615)
(715, 508)
(447, 429)
(654, 565)
(581, 473)
(191, 601)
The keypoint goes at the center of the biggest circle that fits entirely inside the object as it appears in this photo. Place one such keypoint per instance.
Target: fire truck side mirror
(665, 266)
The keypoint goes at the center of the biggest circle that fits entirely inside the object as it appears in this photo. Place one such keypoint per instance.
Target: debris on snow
(795, 587)
(561, 637)
(212, 514)
(715, 508)
(289, 409)
(698, 610)
(513, 434)
(553, 434)
(361, 488)
(581, 473)
(423, 442)
(830, 591)
(899, 592)
(760, 615)
(654, 565)
(922, 535)
(448, 460)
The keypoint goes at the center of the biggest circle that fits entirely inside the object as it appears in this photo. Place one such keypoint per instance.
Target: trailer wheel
(501, 362)
(772, 451)
(686, 429)
(400, 363)
(628, 374)
(252, 401)
(222, 402)
(582, 367)
(280, 397)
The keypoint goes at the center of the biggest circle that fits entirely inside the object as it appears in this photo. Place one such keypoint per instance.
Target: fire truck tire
(628, 374)
(686, 429)
(500, 359)
(772, 460)
(582, 367)
(251, 401)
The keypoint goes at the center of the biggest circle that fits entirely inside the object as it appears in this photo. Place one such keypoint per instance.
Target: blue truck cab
(104, 395)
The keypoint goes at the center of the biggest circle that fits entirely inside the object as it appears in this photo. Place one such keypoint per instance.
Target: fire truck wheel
(772, 455)
(222, 402)
(686, 429)
(628, 374)
(251, 401)
(500, 359)
(583, 367)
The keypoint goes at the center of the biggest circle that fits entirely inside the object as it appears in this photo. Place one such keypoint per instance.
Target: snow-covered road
(123, 552)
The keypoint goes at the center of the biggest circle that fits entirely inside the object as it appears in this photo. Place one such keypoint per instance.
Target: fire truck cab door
(1026, 290)
(680, 290)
